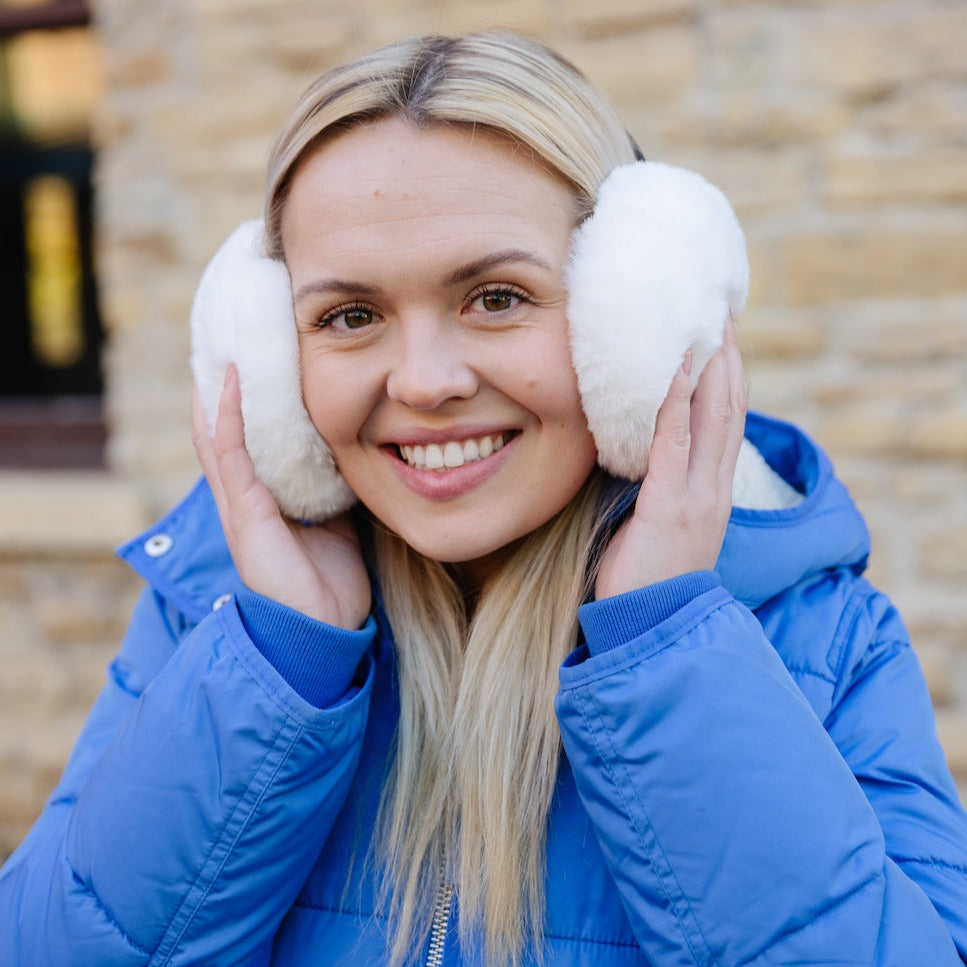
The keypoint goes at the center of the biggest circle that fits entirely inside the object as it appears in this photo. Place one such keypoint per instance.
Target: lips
(450, 454)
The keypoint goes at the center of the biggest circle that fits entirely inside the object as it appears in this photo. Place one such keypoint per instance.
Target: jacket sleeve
(734, 828)
(199, 795)
(881, 719)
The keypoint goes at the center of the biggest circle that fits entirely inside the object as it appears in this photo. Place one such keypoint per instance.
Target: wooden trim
(52, 432)
(49, 16)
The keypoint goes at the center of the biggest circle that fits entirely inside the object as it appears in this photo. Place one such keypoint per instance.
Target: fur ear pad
(654, 271)
(242, 314)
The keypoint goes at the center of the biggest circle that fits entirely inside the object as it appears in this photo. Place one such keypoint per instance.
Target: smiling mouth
(453, 453)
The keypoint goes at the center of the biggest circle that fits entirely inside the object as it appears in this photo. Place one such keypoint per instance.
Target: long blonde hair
(477, 744)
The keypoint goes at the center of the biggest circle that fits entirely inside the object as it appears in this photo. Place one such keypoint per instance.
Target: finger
(710, 416)
(235, 470)
(738, 400)
(718, 415)
(668, 460)
(205, 448)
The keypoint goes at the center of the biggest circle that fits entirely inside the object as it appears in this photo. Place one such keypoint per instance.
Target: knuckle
(740, 400)
(675, 434)
(705, 516)
(724, 412)
(683, 519)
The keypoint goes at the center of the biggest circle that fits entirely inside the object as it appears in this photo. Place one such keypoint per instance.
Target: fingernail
(687, 363)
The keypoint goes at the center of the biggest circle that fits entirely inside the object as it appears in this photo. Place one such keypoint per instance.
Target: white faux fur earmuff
(242, 314)
(654, 271)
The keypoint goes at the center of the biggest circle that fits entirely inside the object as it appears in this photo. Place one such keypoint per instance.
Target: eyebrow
(479, 266)
(463, 274)
(322, 286)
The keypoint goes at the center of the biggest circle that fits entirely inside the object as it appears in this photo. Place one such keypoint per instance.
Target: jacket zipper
(438, 928)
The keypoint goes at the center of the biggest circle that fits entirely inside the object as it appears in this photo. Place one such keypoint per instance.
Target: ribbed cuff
(318, 660)
(613, 621)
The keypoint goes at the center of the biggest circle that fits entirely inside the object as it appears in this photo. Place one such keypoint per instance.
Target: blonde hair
(477, 744)
(505, 82)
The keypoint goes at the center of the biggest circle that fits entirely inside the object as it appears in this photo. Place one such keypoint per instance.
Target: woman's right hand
(315, 569)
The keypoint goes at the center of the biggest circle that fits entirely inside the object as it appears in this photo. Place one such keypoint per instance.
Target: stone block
(942, 555)
(611, 17)
(937, 672)
(859, 263)
(141, 68)
(932, 112)
(918, 393)
(756, 181)
(761, 117)
(943, 635)
(926, 482)
(942, 434)
(760, 251)
(903, 333)
(662, 65)
(922, 176)
(67, 513)
(778, 335)
(528, 16)
(952, 731)
(868, 58)
(874, 428)
(780, 388)
(391, 20)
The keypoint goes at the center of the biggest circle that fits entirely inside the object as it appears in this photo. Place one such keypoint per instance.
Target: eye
(354, 316)
(496, 298)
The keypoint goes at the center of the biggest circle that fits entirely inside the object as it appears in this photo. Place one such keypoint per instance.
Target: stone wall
(837, 127)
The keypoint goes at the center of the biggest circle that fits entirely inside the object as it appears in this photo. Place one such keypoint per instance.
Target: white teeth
(434, 457)
(452, 454)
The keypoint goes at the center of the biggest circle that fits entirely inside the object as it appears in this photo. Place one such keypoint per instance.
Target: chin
(474, 560)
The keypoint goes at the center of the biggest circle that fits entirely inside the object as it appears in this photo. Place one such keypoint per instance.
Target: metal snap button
(157, 545)
(221, 601)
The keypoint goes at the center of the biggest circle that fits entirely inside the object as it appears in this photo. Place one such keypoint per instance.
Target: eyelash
(491, 289)
(326, 320)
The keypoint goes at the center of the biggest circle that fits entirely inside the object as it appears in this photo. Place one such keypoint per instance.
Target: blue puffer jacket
(752, 774)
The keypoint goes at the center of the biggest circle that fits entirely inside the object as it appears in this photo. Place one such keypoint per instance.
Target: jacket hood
(767, 551)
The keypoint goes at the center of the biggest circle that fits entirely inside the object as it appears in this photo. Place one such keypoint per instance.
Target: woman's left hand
(685, 500)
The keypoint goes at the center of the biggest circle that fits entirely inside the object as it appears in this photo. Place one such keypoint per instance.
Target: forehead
(390, 183)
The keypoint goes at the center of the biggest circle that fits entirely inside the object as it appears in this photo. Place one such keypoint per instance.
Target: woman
(356, 756)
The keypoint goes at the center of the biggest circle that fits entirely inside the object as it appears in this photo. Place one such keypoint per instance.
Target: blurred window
(50, 335)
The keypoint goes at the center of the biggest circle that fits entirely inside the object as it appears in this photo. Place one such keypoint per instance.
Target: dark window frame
(51, 419)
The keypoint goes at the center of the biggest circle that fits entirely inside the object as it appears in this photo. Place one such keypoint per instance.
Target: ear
(654, 271)
(242, 314)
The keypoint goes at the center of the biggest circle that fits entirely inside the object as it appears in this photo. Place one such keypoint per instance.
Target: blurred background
(133, 136)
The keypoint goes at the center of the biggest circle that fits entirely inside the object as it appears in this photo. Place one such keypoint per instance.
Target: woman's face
(428, 285)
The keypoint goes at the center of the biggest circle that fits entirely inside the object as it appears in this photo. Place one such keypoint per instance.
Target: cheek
(328, 401)
(550, 389)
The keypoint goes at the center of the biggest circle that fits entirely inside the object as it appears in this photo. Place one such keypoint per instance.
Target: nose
(430, 365)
